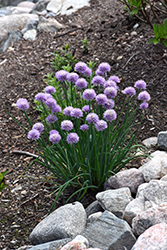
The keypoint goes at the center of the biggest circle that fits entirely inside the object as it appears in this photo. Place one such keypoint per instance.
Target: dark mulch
(108, 30)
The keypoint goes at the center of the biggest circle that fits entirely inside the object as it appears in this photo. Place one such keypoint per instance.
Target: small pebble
(133, 33)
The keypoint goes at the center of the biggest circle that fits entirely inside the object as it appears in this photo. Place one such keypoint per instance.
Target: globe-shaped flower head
(129, 91)
(22, 104)
(110, 92)
(81, 83)
(67, 111)
(66, 125)
(41, 97)
(144, 105)
(80, 67)
(50, 89)
(86, 108)
(98, 80)
(51, 118)
(61, 75)
(89, 94)
(101, 125)
(76, 112)
(38, 126)
(84, 127)
(111, 83)
(33, 134)
(54, 138)
(144, 96)
(72, 138)
(114, 78)
(110, 115)
(104, 67)
(140, 84)
(109, 104)
(101, 99)
(72, 77)
(92, 118)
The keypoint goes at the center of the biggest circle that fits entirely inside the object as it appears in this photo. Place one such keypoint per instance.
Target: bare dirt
(108, 29)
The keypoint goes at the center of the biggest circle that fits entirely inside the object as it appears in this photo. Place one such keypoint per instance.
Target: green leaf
(165, 43)
(134, 12)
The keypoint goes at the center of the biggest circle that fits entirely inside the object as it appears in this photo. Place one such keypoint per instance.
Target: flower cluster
(87, 114)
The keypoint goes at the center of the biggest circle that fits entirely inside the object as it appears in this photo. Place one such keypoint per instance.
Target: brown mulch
(108, 29)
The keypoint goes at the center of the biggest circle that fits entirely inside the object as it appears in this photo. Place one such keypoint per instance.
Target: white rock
(30, 35)
(26, 4)
(155, 167)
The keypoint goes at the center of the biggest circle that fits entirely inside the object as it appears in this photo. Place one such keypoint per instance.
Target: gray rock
(30, 25)
(25, 247)
(26, 4)
(70, 6)
(164, 178)
(154, 238)
(20, 10)
(134, 208)
(109, 232)
(93, 208)
(30, 35)
(14, 22)
(54, 6)
(152, 141)
(162, 140)
(155, 191)
(115, 201)
(148, 218)
(140, 190)
(52, 245)
(5, 12)
(156, 167)
(48, 25)
(12, 37)
(40, 6)
(65, 222)
(131, 178)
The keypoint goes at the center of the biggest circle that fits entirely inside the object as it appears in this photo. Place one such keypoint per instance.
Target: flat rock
(52, 245)
(155, 167)
(131, 178)
(152, 141)
(65, 222)
(153, 238)
(115, 200)
(48, 25)
(109, 232)
(162, 139)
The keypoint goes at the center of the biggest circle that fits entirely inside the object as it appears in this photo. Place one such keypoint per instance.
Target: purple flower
(47, 96)
(81, 83)
(101, 125)
(104, 67)
(110, 92)
(89, 94)
(53, 131)
(86, 108)
(144, 105)
(76, 112)
(140, 84)
(101, 99)
(110, 83)
(33, 134)
(129, 91)
(109, 104)
(40, 97)
(80, 67)
(50, 102)
(50, 90)
(92, 118)
(99, 73)
(72, 138)
(98, 80)
(61, 75)
(72, 77)
(67, 111)
(55, 138)
(38, 126)
(22, 104)
(56, 109)
(110, 115)
(51, 118)
(144, 96)
(84, 127)
(88, 72)
(114, 78)
(66, 125)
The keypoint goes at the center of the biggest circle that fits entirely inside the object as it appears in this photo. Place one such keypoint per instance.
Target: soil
(110, 34)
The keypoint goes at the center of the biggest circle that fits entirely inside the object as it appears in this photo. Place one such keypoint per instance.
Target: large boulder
(65, 222)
